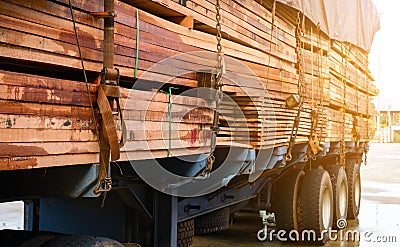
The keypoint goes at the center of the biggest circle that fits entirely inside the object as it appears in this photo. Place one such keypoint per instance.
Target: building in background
(388, 120)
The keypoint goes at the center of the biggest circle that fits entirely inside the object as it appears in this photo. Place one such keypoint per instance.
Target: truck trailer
(145, 122)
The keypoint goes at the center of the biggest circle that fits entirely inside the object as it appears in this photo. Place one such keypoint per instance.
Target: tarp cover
(354, 21)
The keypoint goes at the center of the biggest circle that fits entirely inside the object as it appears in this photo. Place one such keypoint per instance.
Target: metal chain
(219, 67)
(300, 56)
(320, 106)
(342, 154)
(315, 134)
(217, 79)
(356, 134)
(300, 86)
(365, 145)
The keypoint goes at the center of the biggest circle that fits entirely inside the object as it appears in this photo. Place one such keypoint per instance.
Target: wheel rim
(326, 208)
(342, 199)
(357, 192)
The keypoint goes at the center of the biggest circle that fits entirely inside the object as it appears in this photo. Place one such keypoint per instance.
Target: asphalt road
(379, 219)
(378, 223)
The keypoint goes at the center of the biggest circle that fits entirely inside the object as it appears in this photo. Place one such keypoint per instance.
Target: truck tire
(185, 233)
(39, 240)
(340, 193)
(284, 200)
(212, 222)
(24, 238)
(354, 182)
(315, 206)
(81, 241)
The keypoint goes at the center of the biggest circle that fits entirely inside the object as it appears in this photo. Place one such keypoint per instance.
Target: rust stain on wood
(18, 163)
(9, 151)
(76, 150)
(85, 39)
(194, 135)
(197, 114)
(35, 94)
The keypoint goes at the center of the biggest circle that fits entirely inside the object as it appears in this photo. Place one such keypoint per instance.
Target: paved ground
(379, 218)
(12, 215)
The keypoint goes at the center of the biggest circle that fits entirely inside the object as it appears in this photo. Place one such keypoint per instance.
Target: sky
(384, 56)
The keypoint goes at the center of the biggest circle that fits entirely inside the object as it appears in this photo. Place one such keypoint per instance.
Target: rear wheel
(185, 233)
(212, 222)
(354, 182)
(315, 206)
(285, 200)
(340, 192)
(81, 241)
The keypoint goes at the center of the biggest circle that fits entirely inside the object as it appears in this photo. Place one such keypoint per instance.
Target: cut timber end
(185, 21)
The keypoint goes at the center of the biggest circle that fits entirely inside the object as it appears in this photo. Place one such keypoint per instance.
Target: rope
(83, 65)
(137, 44)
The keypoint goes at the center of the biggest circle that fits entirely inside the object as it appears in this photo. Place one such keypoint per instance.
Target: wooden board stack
(351, 93)
(47, 119)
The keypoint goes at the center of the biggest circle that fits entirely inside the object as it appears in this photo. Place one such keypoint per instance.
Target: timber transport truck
(148, 121)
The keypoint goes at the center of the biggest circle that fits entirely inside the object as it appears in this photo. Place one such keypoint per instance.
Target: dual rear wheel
(354, 182)
(340, 193)
(317, 200)
(315, 210)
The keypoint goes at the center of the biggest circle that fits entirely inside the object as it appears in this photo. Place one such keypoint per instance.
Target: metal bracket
(104, 14)
(110, 76)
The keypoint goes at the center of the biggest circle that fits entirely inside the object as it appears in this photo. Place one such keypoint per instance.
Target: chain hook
(219, 70)
(300, 85)
(104, 185)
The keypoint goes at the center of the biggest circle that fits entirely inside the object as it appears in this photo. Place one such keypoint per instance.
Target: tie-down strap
(106, 92)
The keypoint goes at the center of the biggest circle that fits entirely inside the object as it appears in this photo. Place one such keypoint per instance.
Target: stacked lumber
(351, 93)
(274, 71)
(314, 47)
(43, 93)
(46, 120)
(249, 22)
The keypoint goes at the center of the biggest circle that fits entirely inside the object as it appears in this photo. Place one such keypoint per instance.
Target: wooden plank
(73, 159)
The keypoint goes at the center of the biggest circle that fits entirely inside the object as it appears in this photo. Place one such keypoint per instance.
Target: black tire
(340, 193)
(81, 241)
(284, 200)
(38, 240)
(185, 233)
(22, 238)
(212, 222)
(354, 183)
(315, 206)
